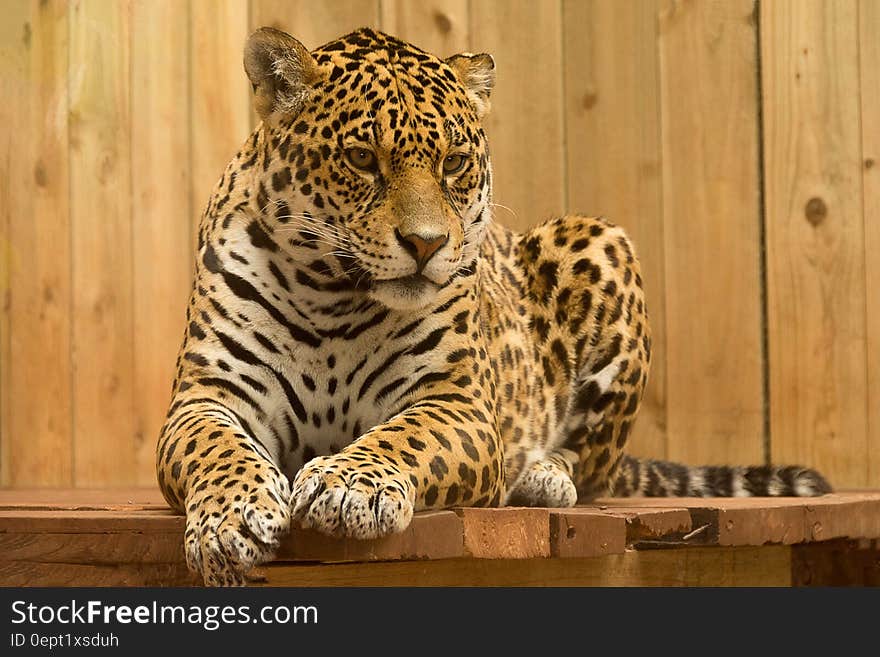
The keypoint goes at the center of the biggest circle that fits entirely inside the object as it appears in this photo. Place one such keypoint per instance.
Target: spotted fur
(364, 342)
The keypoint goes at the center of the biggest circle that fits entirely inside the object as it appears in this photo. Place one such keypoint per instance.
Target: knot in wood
(443, 22)
(40, 174)
(816, 211)
(591, 97)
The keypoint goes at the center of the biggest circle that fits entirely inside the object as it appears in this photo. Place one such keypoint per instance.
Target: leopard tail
(649, 478)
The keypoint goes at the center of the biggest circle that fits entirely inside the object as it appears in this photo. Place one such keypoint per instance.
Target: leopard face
(375, 159)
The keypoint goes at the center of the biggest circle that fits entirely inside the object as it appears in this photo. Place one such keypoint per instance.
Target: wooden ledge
(130, 537)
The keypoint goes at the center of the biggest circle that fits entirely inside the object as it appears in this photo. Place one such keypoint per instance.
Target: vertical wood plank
(612, 119)
(161, 213)
(438, 26)
(815, 236)
(100, 198)
(315, 23)
(525, 125)
(12, 39)
(711, 212)
(34, 247)
(220, 118)
(869, 59)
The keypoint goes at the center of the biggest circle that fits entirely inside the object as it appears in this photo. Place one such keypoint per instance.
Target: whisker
(309, 225)
(504, 207)
(325, 238)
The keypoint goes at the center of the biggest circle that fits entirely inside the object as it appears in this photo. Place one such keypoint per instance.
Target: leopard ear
(281, 71)
(477, 74)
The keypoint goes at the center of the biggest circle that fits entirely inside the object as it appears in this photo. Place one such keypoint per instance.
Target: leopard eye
(453, 163)
(361, 158)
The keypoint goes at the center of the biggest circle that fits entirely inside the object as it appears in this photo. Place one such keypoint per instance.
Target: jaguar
(363, 340)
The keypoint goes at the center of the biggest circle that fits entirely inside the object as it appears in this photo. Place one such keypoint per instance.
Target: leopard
(364, 340)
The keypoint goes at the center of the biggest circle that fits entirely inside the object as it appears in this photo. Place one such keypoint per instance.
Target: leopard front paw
(544, 484)
(342, 497)
(230, 530)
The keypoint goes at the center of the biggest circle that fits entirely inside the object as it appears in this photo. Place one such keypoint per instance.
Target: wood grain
(312, 23)
(160, 213)
(431, 535)
(438, 26)
(23, 573)
(509, 533)
(96, 522)
(836, 563)
(13, 78)
(220, 95)
(815, 237)
(100, 206)
(586, 533)
(649, 524)
(35, 219)
(131, 498)
(767, 566)
(711, 220)
(869, 63)
(119, 547)
(525, 125)
(612, 124)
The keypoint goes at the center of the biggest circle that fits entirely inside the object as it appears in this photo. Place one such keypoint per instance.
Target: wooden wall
(738, 141)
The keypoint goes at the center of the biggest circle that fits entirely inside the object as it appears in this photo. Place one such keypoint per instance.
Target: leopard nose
(421, 248)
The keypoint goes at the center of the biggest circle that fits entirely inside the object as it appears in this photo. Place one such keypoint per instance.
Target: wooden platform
(130, 538)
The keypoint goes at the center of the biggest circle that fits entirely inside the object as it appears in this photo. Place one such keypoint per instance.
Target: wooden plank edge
(578, 533)
(431, 535)
(775, 524)
(505, 533)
